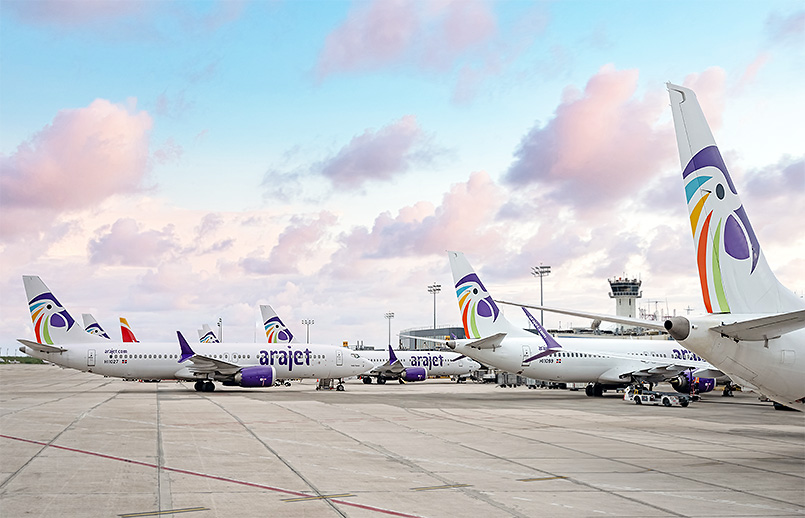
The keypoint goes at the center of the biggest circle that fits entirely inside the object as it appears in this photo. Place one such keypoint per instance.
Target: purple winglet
(548, 339)
(187, 352)
(392, 356)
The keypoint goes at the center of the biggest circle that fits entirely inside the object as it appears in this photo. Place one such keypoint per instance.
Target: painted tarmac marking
(322, 497)
(160, 513)
(431, 488)
(538, 479)
(204, 475)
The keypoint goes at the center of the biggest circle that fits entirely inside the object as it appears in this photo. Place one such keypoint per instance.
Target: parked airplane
(60, 340)
(92, 326)
(416, 365)
(603, 363)
(125, 331)
(388, 365)
(276, 331)
(754, 329)
(207, 336)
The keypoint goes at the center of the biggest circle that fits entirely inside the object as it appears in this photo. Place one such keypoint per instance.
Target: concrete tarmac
(80, 445)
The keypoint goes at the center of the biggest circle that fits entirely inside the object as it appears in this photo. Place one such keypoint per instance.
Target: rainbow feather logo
(719, 225)
(276, 332)
(475, 304)
(47, 315)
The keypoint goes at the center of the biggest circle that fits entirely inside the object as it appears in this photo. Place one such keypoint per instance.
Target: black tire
(381, 380)
(199, 386)
(339, 388)
(209, 386)
(367, 380)
(666, 401)
(589, 391)
(684, 403)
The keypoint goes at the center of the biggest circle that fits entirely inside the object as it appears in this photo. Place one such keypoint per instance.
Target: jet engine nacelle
(257, 376)
(415, 374)
(685, 381)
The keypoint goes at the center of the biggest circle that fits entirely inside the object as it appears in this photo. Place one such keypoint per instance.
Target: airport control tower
(625, 292)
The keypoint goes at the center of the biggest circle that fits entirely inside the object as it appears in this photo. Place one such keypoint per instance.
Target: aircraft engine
(415, 374)
(257, 376)
(686, 380)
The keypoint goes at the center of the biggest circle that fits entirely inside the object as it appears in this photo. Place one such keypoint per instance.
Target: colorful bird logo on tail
(49, 316)
(478, 310)
(720, 227)
(276, 332)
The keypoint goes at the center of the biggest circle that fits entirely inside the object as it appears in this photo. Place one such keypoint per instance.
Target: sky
(180, 162)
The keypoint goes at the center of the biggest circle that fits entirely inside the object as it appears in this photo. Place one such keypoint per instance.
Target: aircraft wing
(205, 364)
(648, 324)
(764, 328)
(490, 342)
(36, 346)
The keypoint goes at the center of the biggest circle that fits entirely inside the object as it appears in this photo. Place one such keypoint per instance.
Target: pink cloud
(81, 158)
(709, 87)
(373, 34)
(385, 32)
(375, 155)
(465, 220)
(125, 244)
(74, 13)
(599, 141)
(294, 245)
(751, 71)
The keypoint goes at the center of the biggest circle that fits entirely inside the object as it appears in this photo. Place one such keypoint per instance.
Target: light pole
(541, 271)
(389, 315)
(434, 288)
(308, 323)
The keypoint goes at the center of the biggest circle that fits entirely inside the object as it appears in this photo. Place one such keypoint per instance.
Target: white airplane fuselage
(161, 360)
(582, 360)
(437, 363)
(775, 367)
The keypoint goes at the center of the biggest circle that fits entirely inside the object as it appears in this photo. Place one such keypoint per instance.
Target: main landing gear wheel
(340, 387)
(367, 379)
(199, 386)
(209, 386)
(589, 390)
(381, 380)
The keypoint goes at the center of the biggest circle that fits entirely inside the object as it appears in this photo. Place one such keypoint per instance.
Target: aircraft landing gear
(594, 390)
(367, 379)
(381, 380)
(340, 387)
(199, 386)
(209, 386)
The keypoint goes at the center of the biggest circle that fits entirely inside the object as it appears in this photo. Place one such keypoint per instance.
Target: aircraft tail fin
(52, 323)
(276, 331)
(92, 326)
(126, 332)
(207, 335)
(733, 272)
(479, 312)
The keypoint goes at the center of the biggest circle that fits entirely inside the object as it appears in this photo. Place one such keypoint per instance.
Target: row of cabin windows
(176, 356)
(583, 355)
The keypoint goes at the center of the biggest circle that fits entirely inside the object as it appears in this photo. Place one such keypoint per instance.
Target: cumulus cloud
(81, 158)
(125, 244)
(598, 141)
(294, 245)
(464, 221)
(384, 32)
(376, 155)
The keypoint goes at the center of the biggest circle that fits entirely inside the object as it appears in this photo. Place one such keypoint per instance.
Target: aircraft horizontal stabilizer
(764, 328)
(648, 324)
(36, 346)
(490, 342)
